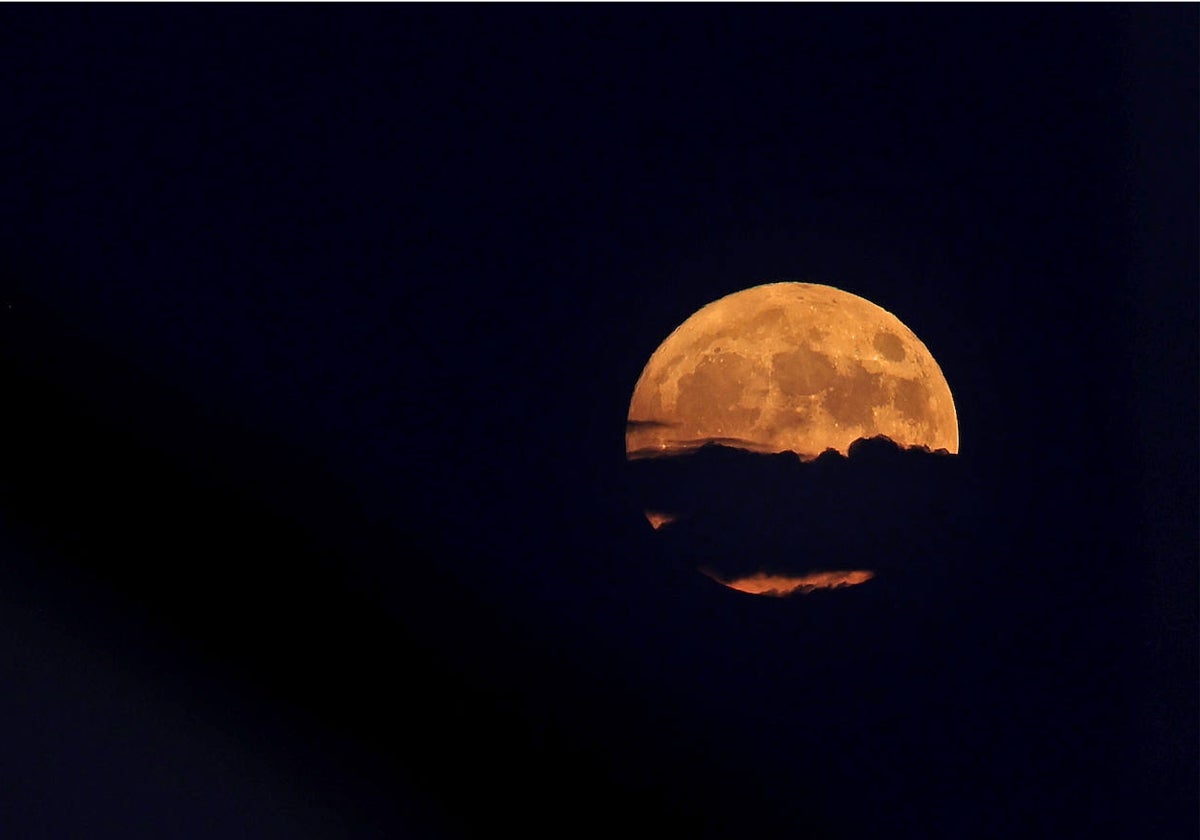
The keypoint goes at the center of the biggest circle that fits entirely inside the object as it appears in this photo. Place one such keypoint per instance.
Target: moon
(790, 367)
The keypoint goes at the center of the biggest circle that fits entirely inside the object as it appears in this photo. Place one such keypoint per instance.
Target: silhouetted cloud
(672, 448)
(743, 513)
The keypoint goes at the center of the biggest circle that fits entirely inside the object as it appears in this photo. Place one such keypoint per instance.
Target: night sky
(318, 329)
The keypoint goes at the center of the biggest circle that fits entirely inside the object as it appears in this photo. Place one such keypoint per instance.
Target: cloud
(672, 448)
(781, 586)
(660, 518)
(741, 513)
(638, 425)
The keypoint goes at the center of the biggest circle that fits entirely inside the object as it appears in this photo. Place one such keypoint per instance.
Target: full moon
(790, 367)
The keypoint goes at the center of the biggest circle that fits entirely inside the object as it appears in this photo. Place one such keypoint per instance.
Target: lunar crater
(890, 345)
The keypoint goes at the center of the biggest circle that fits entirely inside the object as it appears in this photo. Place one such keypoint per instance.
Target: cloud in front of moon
(794, 367)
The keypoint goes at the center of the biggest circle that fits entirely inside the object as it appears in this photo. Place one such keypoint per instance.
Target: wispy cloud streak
(780, 586)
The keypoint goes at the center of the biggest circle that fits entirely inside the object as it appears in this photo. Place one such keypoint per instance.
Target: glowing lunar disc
(793, 367)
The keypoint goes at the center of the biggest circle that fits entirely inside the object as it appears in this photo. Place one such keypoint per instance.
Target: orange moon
(790, 367)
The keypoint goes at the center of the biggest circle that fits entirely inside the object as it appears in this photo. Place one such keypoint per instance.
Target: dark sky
(318, 330)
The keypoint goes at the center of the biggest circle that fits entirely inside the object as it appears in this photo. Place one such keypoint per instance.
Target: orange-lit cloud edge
(659, 518)
(677, 448)
(780, 586)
